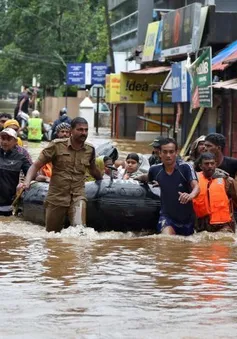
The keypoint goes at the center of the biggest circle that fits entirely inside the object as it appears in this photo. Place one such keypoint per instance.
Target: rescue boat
(119, 205)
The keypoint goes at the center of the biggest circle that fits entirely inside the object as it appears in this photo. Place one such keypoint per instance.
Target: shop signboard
(180, 82)
(181, 31)
(150, 42)
(137, 88)
(201, 80)
(112, 88)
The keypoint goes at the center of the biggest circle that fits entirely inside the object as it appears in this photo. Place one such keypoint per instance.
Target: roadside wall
(52, 105)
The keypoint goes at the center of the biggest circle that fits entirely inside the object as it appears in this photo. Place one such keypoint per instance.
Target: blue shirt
(170, 185)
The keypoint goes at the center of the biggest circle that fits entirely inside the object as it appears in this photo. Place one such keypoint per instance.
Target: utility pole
(111, 52)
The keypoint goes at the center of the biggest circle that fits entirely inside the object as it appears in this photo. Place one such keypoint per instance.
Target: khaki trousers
(56, 215)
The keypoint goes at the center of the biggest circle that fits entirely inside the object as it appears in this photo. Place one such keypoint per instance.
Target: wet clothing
(213, 206)
(46, 170)
(170, 185)
(69, 168)
(34, 126)
(212, 200)
(11, 164)
(67, 185)
(229, 165)
(179, 228)
(25, 106)
(23, 151)
(56, 216)
(100, 164)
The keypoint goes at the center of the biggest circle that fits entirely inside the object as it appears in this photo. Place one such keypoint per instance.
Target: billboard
(180, 82)
(201, 80)
(181, 31)
(150, 42)
(158, 48)
(138, 88)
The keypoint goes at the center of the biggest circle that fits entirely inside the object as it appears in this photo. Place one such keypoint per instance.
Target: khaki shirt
(69, 167)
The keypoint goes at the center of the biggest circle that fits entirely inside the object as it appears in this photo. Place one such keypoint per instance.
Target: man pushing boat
(70, 158)
(179, 185)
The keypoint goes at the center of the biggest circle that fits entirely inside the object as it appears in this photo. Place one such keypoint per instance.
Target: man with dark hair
(155, 158)
(63, 118)
(215, 143)
(24, 99)
(213, 206)
(70, 159)
(3, 118)
(179, 185)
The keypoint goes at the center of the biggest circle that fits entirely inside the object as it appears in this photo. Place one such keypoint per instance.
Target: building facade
(129, 18)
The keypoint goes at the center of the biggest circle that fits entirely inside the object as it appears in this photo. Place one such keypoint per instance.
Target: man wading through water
(70, 158)
(179, 185)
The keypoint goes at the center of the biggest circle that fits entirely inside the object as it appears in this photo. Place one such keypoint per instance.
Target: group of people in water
(197, 193)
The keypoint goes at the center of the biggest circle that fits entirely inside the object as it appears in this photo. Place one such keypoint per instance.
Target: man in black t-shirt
(215, 143)
(24, 100)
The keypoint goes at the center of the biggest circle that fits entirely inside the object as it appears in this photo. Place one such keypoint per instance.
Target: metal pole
(66, 95)
(97, 110)
(161, 113)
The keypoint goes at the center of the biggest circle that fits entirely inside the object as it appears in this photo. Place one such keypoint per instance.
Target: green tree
(41, 37)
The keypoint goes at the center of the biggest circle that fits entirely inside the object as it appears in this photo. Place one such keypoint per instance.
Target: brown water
(84, 284)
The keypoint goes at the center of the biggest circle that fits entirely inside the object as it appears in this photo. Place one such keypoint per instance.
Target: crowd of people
(197, 192)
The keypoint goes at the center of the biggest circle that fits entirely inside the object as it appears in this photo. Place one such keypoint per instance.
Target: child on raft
(132, 165)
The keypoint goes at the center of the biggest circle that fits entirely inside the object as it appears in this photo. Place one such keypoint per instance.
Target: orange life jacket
(47, 170)
(212, 200)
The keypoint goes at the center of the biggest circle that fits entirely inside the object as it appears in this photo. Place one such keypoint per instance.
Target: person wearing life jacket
(35, 127)
(45, 173)
(213, 205)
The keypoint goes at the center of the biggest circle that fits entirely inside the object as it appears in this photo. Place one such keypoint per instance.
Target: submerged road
(84, 284)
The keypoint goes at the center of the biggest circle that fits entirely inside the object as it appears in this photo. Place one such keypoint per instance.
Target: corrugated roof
(229, 84)
(152, 70)
(221, 61)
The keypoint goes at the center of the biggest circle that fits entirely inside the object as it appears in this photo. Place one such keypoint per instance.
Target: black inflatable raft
(119, 205)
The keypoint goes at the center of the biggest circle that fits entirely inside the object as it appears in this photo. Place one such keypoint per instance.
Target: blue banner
(98, 73)
(86, 74)
(76, 74)
(180, 83)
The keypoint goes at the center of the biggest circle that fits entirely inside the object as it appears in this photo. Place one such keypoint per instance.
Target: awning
(229, 84)
(151, 70)
(223, 59)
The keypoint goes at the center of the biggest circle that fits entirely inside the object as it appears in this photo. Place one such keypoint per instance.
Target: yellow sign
(150, 42)
(138, 88)
(113, 88)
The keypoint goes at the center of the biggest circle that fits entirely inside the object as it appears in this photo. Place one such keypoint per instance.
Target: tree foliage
(41, 37)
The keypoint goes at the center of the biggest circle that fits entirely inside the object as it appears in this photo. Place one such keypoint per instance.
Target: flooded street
(84, 284)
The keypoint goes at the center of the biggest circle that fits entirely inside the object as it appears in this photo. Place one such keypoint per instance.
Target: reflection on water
(84, 284)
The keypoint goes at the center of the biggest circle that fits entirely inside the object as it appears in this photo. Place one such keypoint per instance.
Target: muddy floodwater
(84, 284)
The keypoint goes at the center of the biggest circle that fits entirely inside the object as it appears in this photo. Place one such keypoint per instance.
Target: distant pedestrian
(26, 98)
(63, 117)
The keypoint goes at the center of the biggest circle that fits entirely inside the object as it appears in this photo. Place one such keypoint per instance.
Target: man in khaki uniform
(70, 158)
